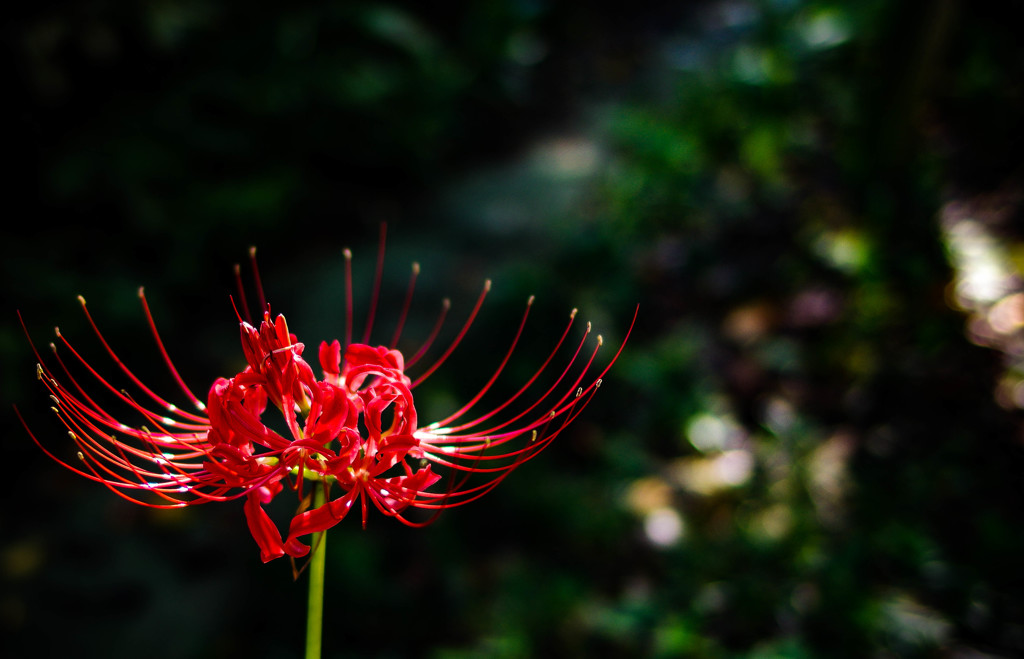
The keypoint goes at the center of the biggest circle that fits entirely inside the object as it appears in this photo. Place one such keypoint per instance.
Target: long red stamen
(378, 274)
(163, 351)
(490, 382)
(418, 355)
(264, 307)
(405, 305)
(348, 296)
(451, 435)
(246, 316)
(458, 338)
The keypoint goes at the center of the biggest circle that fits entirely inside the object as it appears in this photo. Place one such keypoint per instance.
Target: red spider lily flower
(353, 434)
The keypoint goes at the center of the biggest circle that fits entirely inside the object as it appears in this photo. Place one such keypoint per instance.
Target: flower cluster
(352, 433)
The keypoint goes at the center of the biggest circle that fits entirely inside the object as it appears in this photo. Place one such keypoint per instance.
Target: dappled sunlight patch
(988, 283)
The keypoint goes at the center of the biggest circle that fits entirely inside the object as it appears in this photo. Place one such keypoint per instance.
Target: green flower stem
(317, 565)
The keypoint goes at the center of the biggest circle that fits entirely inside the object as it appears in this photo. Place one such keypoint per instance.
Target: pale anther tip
(415, 268)
(572, 314)
(81, 300)
(347, 253)
(597, 383)
(72, 435)
(588, 326)
(446, 302)
(39, 371)
(487, 284)
(600, 340)
(81, 456)
(529, 300)
(252, 251)
(142, 291)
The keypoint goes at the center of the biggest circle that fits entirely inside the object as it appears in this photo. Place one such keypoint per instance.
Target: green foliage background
(803, 451)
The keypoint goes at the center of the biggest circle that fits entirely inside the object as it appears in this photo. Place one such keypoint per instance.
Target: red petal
(330, 357)
(263, 529)
(322, 518)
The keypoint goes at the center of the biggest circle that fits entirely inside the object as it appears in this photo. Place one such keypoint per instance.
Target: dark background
(811, 445)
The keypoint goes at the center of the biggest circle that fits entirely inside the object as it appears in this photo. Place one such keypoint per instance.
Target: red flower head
(353, 434)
